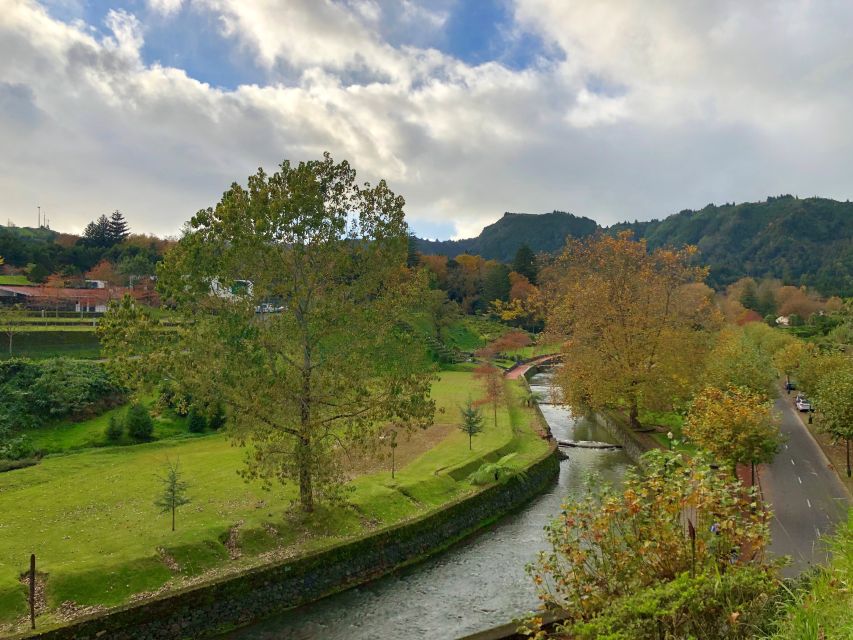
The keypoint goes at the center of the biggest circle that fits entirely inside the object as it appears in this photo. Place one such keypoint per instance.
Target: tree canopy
(335, 362)
(631, 322)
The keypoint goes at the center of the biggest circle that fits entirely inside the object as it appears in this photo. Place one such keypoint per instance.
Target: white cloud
(657, 106)
(165, 7)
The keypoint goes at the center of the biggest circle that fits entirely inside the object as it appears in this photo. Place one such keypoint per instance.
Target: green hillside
(500, 240)
(801, 241)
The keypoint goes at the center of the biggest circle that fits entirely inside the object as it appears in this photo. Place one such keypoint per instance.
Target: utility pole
(39, 222)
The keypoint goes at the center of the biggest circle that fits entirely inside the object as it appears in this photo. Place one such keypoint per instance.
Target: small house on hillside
(61, 298)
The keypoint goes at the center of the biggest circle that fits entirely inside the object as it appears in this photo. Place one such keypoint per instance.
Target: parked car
(790, 386)
(803, 404)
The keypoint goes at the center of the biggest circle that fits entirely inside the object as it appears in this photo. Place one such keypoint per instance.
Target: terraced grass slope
(100, 542)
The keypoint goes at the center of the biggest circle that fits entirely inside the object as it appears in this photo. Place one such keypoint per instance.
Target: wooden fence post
(33, 590)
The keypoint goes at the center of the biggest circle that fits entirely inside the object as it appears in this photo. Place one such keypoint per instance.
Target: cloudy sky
(614, 109)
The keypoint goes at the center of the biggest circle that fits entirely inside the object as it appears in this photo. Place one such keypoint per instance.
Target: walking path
(518, 370)
(806, 495)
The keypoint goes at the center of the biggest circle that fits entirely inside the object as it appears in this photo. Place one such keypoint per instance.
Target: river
(475, 585)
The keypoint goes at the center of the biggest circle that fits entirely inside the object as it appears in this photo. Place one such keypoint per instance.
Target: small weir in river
(475, 585)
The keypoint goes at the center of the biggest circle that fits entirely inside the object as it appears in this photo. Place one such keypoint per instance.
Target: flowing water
(476, 584)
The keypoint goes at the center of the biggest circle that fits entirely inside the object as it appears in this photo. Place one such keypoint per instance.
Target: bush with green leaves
(140, 426)
(14, 446)
(115, 429)
(196, 422)
(676, 552)
(34, 391)
(499, 471)
(217, 418)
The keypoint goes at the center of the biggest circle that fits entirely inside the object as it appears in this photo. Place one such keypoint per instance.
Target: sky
(614, 109)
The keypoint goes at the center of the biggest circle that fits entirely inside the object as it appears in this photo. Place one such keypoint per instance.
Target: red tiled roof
(64, 293)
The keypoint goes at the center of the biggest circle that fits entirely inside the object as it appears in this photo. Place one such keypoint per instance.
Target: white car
(803, 405)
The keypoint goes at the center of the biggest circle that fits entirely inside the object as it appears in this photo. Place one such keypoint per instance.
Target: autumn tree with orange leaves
(491, 378)
(736, 425)
(673, 553)
(634, 323)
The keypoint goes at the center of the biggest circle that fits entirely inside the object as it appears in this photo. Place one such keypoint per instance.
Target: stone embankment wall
(622, 433)
(218, 606)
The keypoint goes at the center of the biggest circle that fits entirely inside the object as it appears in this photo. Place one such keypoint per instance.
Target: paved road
(807, 497)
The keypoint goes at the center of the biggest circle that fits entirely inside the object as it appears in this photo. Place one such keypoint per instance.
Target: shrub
(217, 419)
(14, 447)
(196, 422)
(139, 424)
(31, 392)
(115, 429)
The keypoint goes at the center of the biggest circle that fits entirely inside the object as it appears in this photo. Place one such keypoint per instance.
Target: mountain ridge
(806, 241)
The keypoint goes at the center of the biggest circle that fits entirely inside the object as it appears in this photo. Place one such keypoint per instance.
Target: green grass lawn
(15, 280)
(64, 436)
(51, 342)
(89, 516)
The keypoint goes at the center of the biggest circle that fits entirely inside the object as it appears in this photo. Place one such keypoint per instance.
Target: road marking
(792, 462)
(808, 503)
(818, 532)
(800, 479)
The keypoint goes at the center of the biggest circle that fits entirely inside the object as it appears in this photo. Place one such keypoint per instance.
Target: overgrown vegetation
(677, 552)
(33, 393)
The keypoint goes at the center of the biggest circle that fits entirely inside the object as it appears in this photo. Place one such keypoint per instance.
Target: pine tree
(472, 421)
(97, 233)
(117, 229)
(525, 263)
(174, 491)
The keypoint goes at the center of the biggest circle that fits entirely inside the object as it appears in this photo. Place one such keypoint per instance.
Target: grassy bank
(65, 436)
(89, 516)
(53, 341)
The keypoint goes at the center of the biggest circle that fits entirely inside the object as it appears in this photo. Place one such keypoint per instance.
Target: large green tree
(335, 363)
(525, 263)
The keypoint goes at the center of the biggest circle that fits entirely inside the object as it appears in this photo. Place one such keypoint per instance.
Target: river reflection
(477, 584)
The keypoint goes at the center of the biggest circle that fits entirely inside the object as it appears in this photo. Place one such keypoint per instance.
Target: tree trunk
(634, 415)
(495, 407)
(752, 465)
(470, 444)
(303, 451)
(173, 517)
(303, 460)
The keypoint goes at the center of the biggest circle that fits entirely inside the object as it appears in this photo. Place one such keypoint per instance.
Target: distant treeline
(106, 251)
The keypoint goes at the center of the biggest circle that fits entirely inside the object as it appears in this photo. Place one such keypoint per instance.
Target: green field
(15, 280)
(63, 437)
(89, 516)
(51, 342)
